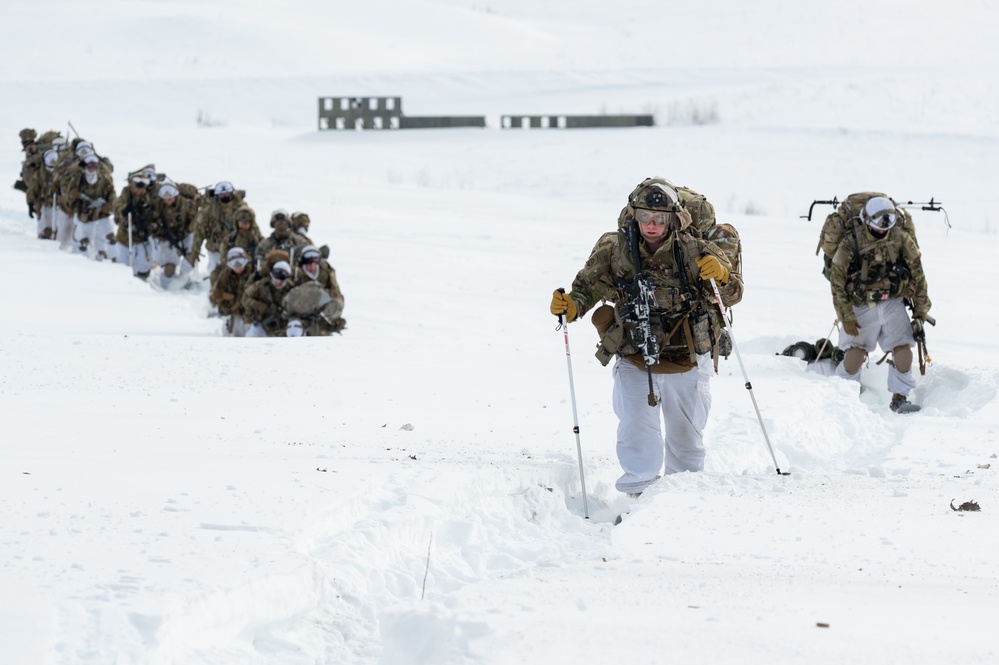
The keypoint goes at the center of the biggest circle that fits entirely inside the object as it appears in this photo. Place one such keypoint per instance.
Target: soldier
(281, 238)
(300, 224)
(318, 312)
(215, 222)
(62, 214)
(29, 147)
(247, 234)
(38, 177)
(656, 268)
(875, 269)
(227, 293)
(42, 191)
(89, 193)
(173, 219)
(263, 297)
(134, 212)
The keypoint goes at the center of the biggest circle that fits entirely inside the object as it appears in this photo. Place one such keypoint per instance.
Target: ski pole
(575, 418)
(749, 385)
(131, 257)
(825, 342)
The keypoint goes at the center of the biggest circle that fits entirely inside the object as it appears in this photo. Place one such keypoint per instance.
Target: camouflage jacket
(867, 269)
(60, 174)
(37, 180)
(141, 210)
(326, 279)
(214, 222)
(88, 201)
(685, 319)
(320, 317)
(291, 243)
(227, 293)
(262, 304)
(172, 223)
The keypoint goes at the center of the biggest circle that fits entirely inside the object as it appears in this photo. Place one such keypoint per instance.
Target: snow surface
(409, 493)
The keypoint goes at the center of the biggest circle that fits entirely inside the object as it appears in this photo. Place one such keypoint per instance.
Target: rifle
(94, 203)
(172, 239)
(919, 334)
(641, 299)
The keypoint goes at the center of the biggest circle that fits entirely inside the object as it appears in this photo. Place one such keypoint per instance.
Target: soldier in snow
(875, 270)
(662, 328)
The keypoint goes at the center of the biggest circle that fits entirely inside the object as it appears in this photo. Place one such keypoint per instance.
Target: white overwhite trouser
(684, 404)
(240, 327)
(886, 324)
(214, 259)
(255, 330)
(142, 256)
(167, 253)
(91, 237)
(45, 220)
(64, 228)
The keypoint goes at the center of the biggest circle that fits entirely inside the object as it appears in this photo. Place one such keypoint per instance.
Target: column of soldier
(278, 286)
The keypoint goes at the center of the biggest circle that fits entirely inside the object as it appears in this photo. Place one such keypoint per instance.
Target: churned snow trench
(369, 581)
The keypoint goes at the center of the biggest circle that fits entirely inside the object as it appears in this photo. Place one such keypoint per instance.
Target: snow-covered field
(409, 493)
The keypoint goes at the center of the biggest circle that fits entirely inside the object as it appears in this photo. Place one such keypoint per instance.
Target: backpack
(843, 222)
(190, 192)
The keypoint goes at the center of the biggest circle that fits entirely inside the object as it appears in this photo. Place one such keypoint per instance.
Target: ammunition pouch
(611, 333)
(690, 333)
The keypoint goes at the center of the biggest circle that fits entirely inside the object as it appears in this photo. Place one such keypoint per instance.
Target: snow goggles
(237, 262)
(280, 274)
(882, 220)
(659, 218)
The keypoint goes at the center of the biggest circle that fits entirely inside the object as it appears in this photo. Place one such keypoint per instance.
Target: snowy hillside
(409, 492)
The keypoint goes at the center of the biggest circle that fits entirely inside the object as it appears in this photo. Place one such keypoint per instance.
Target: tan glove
(563, 304)
(851, 327)
(712, 268)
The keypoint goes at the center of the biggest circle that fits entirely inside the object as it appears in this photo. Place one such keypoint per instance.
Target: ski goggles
(237, 262)
(280, 274)
(882, 220)
(659, 218)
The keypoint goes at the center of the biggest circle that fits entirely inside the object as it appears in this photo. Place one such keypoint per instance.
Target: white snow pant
(240, 327)
(255, 330)
(45, 220)
(167, 253)
(214, 259)
(142, 257)
(886, 324)
(64, 228)
(90, 238)
(684, 404)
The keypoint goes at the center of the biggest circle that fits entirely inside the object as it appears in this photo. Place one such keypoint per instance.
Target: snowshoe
(901, 404)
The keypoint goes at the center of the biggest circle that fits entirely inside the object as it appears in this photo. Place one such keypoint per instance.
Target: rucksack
(189, 191)
(846, 219)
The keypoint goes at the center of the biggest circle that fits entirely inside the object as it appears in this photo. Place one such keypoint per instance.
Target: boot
(901, 404)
